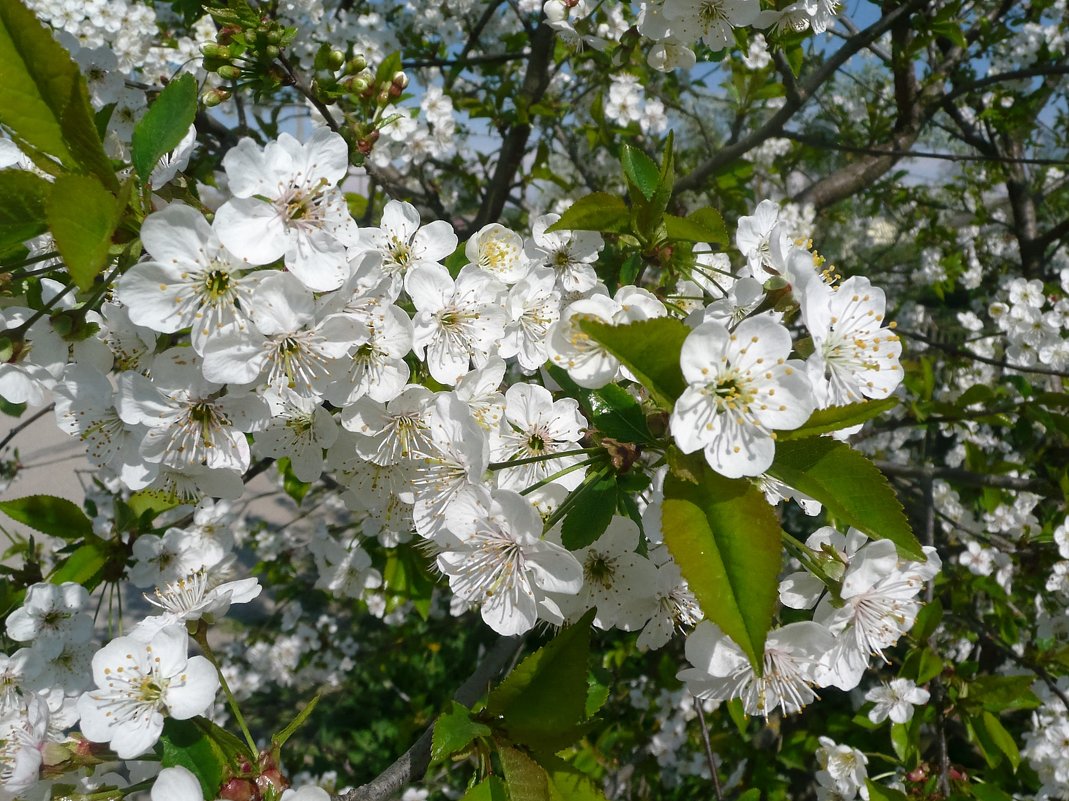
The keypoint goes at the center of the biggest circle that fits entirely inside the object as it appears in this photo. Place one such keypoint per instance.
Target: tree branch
(514, 146)
(805, 90)
(928, 472)
(412, 764)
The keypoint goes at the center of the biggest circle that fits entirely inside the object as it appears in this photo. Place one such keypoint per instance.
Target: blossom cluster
(219, 358)
(876, 605)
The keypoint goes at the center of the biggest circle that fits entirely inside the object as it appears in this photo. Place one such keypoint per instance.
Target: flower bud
(336, 59)
(357, 64)
(214, 50)
(229, 72)
(213, 97)
(238, 790)
(357, 84)
(400, 80)
(271, 51)
(274, 37)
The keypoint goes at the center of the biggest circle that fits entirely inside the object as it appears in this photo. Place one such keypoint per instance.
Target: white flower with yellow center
(741, 387)
(457, 322)
(712, 21)
(286, 205)
(138, 683)
(191, 281)
(855, 356)
(790, 663)
(498, 251)
(501, 562)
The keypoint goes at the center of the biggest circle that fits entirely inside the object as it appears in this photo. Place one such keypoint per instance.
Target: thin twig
(953, 350)
(14, 432)
(709, 755)
(300, 86)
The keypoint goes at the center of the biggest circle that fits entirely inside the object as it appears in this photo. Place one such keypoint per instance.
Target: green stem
(544, 458)
(570, 501)
(202, 640)
(558, 474)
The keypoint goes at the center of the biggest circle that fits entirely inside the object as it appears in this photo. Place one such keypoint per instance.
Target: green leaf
(201, 747)
(454, 731)
(164, 124)
(877, 792)
(927, 620)
(849, 486)
(82, 215)
(43, 98)
(22, 207)
(641, 170)
(154, 501)
(84, 566)
(649, 349)
(726, 540)
(988, 792)
(688, 229)
(587, 519)
(995, 741)
(753, 794)
(489, 789)
(597, 212)
(50, 515)
(922, 665)
(617, 414)
(291, 728)
(1001, 693)
(834, 418)
(525, 778)
(568, 784)
(715, 231)
(543, 700)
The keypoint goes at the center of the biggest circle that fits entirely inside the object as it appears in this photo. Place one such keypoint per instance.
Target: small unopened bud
(238, 790)
(271, 51)
(336, 59)
(357, 64)
(274, 37)
(384, 97)
(213, 50)
(357, 84)
(229, 72)
(776, 283)
(213, 97)
(400, 80)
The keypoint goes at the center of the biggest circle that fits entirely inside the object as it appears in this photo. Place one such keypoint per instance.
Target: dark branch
(412, 764)
(805, 90)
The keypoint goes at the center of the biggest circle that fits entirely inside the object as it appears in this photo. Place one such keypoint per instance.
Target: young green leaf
(164, 124)
(454, 731)
(641, 170)
(44, 102)
(877, 792)
(713, 224)
(526, 779)
(591, 514)
(726, 540)
(22, 207)
(82, 215)
(650, 350)
(835, 418)
(543, 701)
(689, 229)
(849, 486)
(84, 566)
(599, 211)
(203, 748)
(50, 515)
(615, 413)
(489, 789)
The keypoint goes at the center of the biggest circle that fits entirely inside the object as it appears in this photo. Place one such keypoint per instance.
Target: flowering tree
(667, 400)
